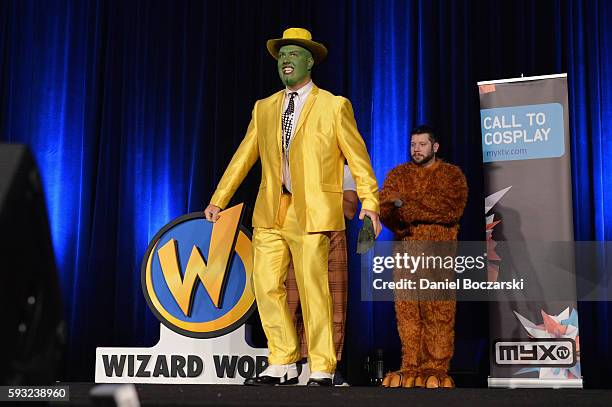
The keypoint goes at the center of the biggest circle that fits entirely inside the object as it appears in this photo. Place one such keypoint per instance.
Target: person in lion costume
(423, 200)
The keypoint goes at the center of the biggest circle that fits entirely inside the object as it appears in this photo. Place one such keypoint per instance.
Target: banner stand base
(516, 383)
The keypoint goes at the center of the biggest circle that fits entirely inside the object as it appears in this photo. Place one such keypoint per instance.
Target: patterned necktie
(287, 122)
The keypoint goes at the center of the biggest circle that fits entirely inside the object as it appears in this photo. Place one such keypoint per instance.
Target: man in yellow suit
(302, 135)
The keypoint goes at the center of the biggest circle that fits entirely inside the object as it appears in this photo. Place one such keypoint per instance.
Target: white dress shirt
(348, 184)
(298, 103)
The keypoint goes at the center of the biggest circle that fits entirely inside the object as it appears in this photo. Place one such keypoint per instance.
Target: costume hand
(396, 201)
(212, 213)
(375, 220)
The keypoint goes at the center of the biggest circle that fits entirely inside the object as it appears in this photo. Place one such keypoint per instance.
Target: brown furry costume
(433, 201)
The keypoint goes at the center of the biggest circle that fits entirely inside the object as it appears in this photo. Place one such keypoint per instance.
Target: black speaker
(33, 331)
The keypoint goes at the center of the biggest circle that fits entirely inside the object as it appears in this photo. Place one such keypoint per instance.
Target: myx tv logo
(552, 352)
(197, 275)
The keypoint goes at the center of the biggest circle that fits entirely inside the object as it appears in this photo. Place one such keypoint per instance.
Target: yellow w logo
(212, 275)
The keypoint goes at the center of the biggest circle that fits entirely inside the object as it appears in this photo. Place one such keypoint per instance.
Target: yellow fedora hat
(301, 37)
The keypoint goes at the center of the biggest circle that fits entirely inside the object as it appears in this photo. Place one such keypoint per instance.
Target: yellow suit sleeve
(354, 150)
(245, 156)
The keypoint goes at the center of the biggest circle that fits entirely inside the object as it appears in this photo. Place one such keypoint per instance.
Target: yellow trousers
(273, 248)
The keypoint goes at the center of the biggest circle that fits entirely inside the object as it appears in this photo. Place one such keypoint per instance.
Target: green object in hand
(365, 240)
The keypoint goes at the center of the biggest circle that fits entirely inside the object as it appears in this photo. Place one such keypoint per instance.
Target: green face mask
(294, 65)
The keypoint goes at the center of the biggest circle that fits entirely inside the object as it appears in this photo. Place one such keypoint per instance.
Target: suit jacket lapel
(278, 114)
(309, 102)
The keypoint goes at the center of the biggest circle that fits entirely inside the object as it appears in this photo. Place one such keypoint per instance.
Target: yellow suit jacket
(325, 134)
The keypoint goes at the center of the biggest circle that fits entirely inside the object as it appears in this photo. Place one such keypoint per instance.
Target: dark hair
(425, 129)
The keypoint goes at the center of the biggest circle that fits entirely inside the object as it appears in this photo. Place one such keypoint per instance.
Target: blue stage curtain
(134, 108)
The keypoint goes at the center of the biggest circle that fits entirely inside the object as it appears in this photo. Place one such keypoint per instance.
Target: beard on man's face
(422, 158)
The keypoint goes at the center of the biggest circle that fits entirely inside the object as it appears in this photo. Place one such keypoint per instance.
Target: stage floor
(228, 395)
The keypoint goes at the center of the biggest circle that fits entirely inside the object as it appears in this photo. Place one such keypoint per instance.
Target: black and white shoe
(320, 379)
(270, 381)
(324, 382)
(339, 381)
(275, 375)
